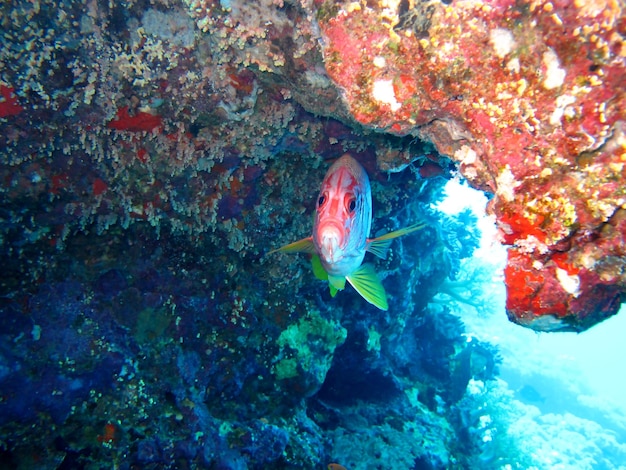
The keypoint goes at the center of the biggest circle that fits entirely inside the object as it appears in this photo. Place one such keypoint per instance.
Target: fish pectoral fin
(322, 275)
(333, 290)
(336, 282)
(303, 246)
(380, 245)
(318, 269)
(365, 281)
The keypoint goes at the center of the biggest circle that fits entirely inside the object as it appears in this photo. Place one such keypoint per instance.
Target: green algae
(308, 346)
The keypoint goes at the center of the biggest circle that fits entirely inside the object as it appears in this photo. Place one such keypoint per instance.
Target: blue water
(561, 397)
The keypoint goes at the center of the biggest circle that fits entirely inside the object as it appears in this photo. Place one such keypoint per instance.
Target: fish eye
(351, 204)
(321, 200)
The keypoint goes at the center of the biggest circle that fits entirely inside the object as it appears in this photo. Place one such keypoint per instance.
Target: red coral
(516, 227)
(109, 434)
(142, 155)
(140, 122)
(8, 103)
(561, 260)
(537, 298)
(59, 181)
(98, 187)
(430, 170)
(242, 81)
(533, 291)
(522, 280)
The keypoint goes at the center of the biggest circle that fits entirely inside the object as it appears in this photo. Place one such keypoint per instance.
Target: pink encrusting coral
(140, 121)
(529, 99)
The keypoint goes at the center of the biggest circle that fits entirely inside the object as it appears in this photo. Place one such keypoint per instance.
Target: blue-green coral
(306, 348)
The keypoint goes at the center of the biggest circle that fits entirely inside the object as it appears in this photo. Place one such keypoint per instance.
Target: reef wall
(152, 153)
(169, 115)
(529, 99)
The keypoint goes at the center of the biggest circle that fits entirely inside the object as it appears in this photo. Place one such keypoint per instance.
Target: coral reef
(508, 429)
(152, 153)
(529, 99)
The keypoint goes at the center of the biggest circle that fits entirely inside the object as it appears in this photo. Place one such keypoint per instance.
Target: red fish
(342, 224)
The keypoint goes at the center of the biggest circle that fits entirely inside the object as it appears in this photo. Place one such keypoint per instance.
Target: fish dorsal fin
(365, 281)
(304, 246)
(380, 245)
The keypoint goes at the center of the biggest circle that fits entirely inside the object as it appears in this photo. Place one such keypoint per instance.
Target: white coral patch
(502, 41)
(465, 155)
(383, 93)
(379, 61)
(506, 184)
(555, 75)
(532, 244)
(569, 282)
(562, 102)
(513, 65)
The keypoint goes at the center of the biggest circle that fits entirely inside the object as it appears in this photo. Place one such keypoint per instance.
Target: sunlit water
(571, 387)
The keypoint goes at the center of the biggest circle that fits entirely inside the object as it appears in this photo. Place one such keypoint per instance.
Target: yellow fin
(322, 275)
(379, 246)
(338, 282)
(333, 290)
(304, 246)
(366, 282)
(318, 269)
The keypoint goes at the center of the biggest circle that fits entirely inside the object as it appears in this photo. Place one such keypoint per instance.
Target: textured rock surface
(529, 98)
(151, 154)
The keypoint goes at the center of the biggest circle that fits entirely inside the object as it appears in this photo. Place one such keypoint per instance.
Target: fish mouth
(330, 238)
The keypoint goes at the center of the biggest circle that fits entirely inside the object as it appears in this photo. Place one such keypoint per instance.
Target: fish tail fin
(304, 246)
(380, 245)
(365, 281)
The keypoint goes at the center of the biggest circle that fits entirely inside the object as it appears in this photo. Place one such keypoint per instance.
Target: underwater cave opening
(352, 377)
